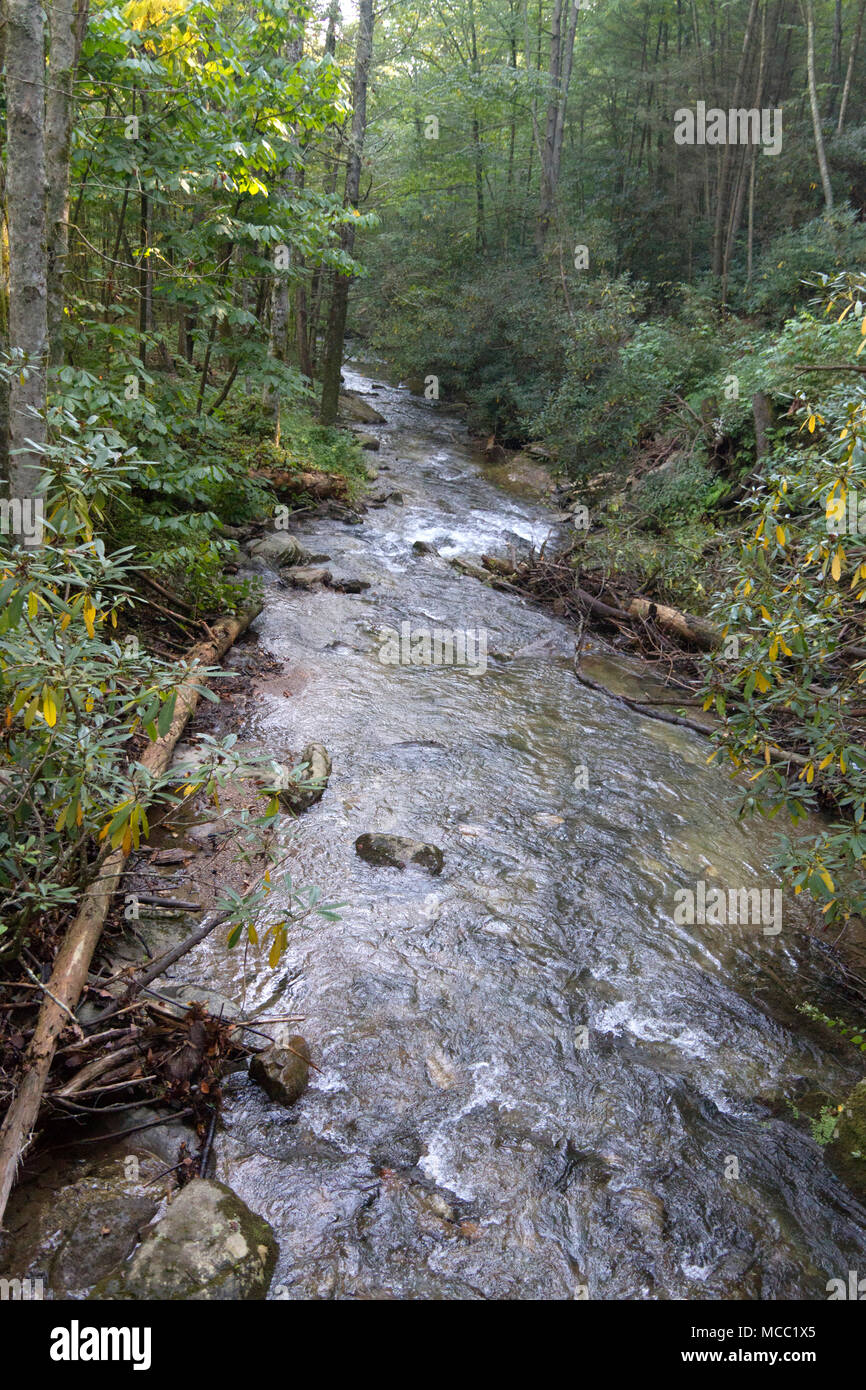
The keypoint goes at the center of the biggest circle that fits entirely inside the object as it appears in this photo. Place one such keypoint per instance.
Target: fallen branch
(72, 963)
(777, 755)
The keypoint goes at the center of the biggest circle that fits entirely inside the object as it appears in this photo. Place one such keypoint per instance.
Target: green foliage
(857, 1034)
(785, 679)
(619, 373)
(786, 271)
(678, 495)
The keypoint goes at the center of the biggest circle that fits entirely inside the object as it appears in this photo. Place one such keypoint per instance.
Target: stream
(533, 1083)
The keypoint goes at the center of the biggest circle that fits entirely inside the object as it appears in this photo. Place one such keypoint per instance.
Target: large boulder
(283, 1069)
(207, 1245)
(317, 763)
(354, 408)
(396, 851)
(277, 548)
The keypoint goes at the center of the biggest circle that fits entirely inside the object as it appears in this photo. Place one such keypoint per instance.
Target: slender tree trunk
(26, 189)
(336, 332)
(855, 44)
(279, 336)
(67, 21)
(835, 62)
(748, 162)
(721, 194)
(813, 103)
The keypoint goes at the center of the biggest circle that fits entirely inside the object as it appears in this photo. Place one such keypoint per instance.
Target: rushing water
(464, 1136)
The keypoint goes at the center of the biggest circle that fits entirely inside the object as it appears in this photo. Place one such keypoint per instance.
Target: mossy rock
(208, 1245)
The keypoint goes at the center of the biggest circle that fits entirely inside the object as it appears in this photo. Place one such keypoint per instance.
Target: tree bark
(67, 22)
(813, 103)
(855, 44)
(25, 191)
(721, 194)
(559, 72)
(336, 331)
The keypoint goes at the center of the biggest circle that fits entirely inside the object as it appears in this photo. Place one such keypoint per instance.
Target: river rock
(277, 549)
(368, 442)
(353, 408)
(208, 1245)
(397, 851)
(283, 1069)
(297, 799)
(308, 578)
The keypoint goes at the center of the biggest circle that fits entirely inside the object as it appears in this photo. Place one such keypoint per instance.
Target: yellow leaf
(811, 424)
(49, 709)
(780, 535)
(89, 614)
(32, 604)
(836, 567)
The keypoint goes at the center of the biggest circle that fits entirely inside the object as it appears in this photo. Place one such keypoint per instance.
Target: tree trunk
(25, 190)
(336, 331)
(855, 44)
(721, 194)
(813, 103)
(67, 21)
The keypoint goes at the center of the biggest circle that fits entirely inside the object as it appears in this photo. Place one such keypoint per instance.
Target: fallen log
(696, 631)
(72, 963)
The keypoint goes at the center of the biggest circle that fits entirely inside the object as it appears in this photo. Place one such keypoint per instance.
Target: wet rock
(208, 1245)
(397, 851)
(283, 1069)
(317, 770)
(424, 548)
(74, 1221)
(308, 578)
(343, 584)
(353, 408)
(368, 442)
(172, 856)
(277, 549)
(208, 834)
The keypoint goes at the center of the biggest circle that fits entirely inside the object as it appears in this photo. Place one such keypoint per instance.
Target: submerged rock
(277, 549)
(208, 1245)
(397, 851)
(318, 770)
(283, 1069)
